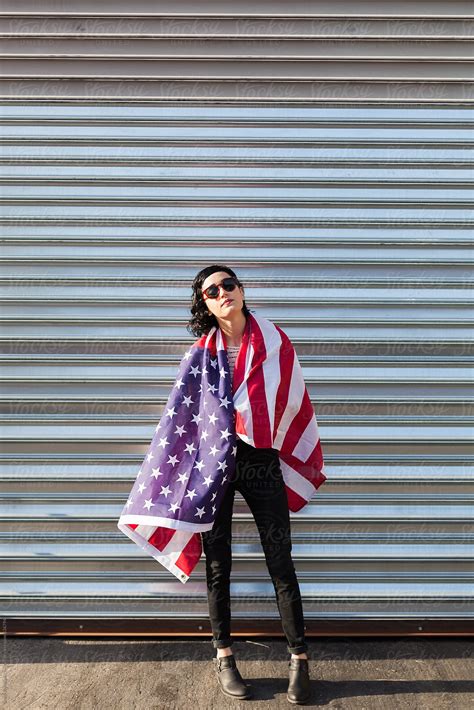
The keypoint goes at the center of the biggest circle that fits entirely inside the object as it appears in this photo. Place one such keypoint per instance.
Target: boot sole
(298, 702)
(236, 697)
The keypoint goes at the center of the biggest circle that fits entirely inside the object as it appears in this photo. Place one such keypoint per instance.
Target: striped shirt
(232, 351)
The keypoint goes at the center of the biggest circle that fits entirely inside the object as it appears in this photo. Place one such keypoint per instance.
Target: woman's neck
(233, 330)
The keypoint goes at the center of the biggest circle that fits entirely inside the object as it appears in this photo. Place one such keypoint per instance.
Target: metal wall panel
(338, 50)
(326, 156)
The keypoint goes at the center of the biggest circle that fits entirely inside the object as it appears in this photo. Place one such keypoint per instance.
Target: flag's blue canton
(191, 457)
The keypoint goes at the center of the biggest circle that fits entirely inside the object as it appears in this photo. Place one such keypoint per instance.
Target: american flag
(191, 458)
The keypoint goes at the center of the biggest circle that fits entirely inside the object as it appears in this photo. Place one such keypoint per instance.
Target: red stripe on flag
(190, 555)
(161, 537)
(240, 424)
(239, 365)
(310, 469)
(286, 356)
(257, 395)
(295, 501)
(299, 423)
(316, 463)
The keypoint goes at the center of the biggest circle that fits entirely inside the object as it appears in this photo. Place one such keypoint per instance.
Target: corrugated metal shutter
(325, 156)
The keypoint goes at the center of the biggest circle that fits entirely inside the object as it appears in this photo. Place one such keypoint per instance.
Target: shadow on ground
(355, 673)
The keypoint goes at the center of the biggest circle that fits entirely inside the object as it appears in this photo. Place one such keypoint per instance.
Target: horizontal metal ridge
(63, 586)
(353, 281)
(456, 33)
(458, 161)
(360, 469)
(227, 102)
(356, 341)
(426, 375)
(356, 198)
(324, 48)
(202, 173)
(361, 91)
(422, 320)
(352, 94)
(442, 300)
(239, 79)
(424, 618)
(131, 112)
(211, 139)
(334, 236)
(271, 260)
(395, 142)
(279, 58)
(191, 604)
(107, 221)
(196, 181)
(353, 36)
(271, 16)
(237, 101)
(171, 360)
(456, 437)
(111, 582)
(420, 440)
(322, 511)
(128, 419)
(369, 257)
(346, 536)
(364, 464)
(257, 154)
(339, 489)
(145, 575)
(418, 616)
(60, 552)
(401, 497)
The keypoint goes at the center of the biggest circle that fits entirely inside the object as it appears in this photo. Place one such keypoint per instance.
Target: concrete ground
(141, 674)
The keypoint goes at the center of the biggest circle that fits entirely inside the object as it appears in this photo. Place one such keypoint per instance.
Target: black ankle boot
(229, 678)
(299, 687)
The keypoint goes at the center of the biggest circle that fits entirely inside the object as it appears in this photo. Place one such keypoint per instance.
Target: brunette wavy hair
(202, 320)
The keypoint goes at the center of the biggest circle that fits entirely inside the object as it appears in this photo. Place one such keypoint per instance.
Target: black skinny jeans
(259, 479)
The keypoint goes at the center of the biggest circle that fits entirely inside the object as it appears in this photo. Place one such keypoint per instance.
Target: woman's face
(227, 303)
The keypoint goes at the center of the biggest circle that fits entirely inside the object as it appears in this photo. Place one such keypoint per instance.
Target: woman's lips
(227, 301)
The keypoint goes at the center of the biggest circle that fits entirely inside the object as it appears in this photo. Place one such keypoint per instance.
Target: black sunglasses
(228, 284)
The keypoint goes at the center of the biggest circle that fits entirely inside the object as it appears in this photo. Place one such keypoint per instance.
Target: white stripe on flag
(308, 440)
(242, 401)
(298, 483)
(175, 545)
(272, 375)
(295, 397)
(156, 521)
(171, 552)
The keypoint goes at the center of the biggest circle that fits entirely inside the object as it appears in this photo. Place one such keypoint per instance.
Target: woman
(218, 299)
